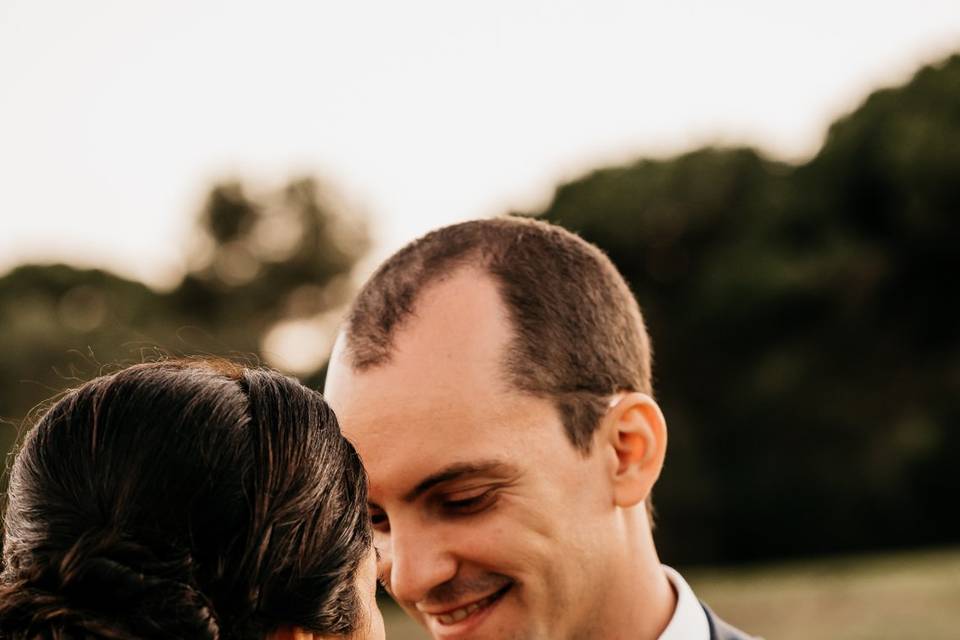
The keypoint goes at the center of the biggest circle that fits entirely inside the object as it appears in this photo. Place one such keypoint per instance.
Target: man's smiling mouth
(460, 614)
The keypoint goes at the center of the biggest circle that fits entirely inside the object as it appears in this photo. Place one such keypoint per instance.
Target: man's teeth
(459, 614)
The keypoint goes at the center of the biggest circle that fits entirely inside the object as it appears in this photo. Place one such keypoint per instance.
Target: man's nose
(417, 560)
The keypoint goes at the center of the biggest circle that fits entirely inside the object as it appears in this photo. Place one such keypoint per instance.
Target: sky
(116, 117)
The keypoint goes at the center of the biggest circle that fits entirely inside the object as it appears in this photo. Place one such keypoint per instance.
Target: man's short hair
(578, 337)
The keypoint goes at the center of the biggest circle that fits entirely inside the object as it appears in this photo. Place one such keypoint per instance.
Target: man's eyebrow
(459, 470)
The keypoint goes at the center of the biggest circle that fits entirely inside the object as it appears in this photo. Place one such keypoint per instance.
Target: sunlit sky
(116, 116)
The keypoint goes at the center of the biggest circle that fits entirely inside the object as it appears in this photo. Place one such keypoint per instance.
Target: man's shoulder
(720, 630)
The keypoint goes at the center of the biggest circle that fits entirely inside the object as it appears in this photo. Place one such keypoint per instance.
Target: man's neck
(642, 600)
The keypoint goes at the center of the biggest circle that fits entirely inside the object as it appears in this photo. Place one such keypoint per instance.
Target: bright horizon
(116, 118)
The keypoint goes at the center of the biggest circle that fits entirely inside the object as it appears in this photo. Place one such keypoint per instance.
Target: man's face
(489, 523)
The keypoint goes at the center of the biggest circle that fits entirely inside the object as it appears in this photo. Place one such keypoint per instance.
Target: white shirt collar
(689, 621)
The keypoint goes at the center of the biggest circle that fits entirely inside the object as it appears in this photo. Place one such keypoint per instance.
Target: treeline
(803, 317)
(258, 259)
(805, 325)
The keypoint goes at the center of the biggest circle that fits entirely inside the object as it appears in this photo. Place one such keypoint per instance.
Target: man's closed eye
(467, 503)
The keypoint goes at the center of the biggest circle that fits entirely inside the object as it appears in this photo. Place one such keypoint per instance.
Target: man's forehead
(442, 397)
(440, 417)
(413, 429)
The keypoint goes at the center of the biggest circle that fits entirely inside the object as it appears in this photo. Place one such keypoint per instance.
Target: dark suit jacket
(720, 630)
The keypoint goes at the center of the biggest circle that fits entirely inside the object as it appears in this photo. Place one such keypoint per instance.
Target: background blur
(780, 186)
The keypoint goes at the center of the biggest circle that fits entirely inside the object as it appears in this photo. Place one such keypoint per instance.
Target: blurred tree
(807, 354)
(888, 190)
(257, 262)
(286, 256)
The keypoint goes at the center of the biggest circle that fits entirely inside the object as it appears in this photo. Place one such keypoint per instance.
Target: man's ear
(636, 432)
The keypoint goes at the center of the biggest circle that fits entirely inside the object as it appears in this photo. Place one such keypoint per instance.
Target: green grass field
(877, 597)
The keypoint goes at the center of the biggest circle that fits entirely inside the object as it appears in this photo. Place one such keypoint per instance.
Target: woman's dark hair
(189, 499)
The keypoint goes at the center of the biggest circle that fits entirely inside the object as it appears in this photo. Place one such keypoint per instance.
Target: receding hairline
(471, 261)
(388, 301)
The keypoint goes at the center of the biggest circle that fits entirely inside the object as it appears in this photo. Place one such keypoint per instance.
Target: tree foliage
(257, 261)
(804, 322)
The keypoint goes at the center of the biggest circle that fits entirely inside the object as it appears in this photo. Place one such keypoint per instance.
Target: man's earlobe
(637, 432)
